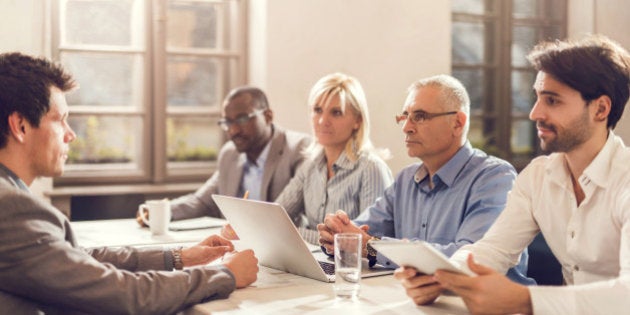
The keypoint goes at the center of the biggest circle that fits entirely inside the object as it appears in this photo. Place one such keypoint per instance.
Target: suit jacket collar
(278, 143)
(233, 186)
(12, 178)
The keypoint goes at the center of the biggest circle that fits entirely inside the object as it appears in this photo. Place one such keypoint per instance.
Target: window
(152, 77)
(490, 40)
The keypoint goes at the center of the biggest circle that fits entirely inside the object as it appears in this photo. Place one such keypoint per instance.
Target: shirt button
(572, 234)
(424, 225)
(576, 268)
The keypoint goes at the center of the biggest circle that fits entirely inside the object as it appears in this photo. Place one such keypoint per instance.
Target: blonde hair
(350, 92)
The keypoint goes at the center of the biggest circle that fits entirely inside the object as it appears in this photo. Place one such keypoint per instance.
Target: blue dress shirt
(469, 192)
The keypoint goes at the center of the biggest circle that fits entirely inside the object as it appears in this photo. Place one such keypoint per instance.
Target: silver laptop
(267, 229)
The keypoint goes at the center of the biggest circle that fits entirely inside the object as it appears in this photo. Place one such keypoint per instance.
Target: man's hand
(139, 215)
(228, 232)
(243, 265)
(421, 288)
(206, 251)
(339, 223)
(489, 292)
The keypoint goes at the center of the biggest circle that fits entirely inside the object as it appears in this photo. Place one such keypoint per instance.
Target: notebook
(266, 228)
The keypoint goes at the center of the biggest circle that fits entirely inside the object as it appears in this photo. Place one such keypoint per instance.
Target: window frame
(496, 117)
(153, 166)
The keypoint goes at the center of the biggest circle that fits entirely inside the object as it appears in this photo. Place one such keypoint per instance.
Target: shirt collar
(15, 180)
(597, 171)
(448, 172)
(343, 162)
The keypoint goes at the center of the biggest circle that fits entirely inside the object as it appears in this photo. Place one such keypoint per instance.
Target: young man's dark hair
(594, 66)
(26, 83)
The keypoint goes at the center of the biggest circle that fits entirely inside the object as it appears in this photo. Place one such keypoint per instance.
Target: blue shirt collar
(15, 180)
(448, 172)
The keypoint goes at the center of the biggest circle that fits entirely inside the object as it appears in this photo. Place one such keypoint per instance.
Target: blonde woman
(342, 170)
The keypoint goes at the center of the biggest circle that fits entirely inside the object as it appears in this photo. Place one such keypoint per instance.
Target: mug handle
(143, 215)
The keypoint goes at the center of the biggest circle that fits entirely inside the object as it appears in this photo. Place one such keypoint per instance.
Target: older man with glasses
(451, 197)
(260, 158)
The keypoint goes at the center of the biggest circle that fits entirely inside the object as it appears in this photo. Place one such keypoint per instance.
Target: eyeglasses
(420, 116)
(239, 121)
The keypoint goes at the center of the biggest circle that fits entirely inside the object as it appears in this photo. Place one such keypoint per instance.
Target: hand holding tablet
(419, 254)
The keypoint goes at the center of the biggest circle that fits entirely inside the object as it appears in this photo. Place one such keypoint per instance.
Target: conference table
(275, 291)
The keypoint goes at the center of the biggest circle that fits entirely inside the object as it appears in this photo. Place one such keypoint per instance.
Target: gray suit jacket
(285, 155)
(42, 270)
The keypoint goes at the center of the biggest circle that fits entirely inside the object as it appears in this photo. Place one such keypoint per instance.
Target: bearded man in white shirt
(578, 196)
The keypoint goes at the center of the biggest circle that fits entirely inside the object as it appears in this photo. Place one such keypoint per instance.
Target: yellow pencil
(246, 194)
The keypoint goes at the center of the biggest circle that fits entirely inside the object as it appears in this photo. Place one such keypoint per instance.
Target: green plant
(178, 149)
(91, 148)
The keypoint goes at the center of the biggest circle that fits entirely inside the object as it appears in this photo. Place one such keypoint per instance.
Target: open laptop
(266, 228)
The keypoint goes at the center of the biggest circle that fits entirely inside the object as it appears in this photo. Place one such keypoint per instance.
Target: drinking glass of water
(347, 265)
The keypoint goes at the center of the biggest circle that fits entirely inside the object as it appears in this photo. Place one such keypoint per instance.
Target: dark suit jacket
(43, 270)
(285, 155)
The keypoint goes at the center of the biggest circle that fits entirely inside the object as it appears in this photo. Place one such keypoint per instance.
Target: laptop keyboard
(329, 268)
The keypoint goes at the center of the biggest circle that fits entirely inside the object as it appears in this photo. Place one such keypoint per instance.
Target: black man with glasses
(260, 158)
(451, 197)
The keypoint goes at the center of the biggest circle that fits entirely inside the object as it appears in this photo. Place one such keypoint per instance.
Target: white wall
(22, 26)
(385, 44)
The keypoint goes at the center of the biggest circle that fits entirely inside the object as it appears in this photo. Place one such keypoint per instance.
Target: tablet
(418, 254)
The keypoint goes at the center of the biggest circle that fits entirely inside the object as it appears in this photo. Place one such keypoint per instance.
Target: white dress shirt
(591, 241)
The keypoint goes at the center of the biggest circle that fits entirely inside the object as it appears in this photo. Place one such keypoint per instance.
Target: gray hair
(453, 94)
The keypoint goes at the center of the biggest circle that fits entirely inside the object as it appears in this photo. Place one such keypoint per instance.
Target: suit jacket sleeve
(40, 263)
(199, 203)
(133, 259)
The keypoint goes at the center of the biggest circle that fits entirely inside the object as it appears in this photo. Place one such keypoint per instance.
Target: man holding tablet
(448, 200)
(578, 196)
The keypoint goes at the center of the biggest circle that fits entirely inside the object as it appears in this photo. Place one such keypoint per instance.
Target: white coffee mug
(159, 215)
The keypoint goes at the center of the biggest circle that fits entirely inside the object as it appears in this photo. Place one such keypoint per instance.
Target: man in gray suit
(41, 267)
(260, 159)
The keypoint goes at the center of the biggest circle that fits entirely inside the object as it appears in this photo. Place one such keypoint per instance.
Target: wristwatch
(371, 252)
(178, 264)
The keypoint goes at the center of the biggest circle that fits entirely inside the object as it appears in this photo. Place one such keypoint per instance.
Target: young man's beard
(567, 139)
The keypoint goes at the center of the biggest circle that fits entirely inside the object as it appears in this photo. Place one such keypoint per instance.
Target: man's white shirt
(591, 241)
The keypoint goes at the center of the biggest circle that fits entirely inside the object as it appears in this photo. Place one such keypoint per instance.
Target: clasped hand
(339, 222)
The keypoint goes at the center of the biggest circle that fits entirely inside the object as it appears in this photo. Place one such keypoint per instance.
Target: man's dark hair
(257, 95)
(25, 84)
(594, 66)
